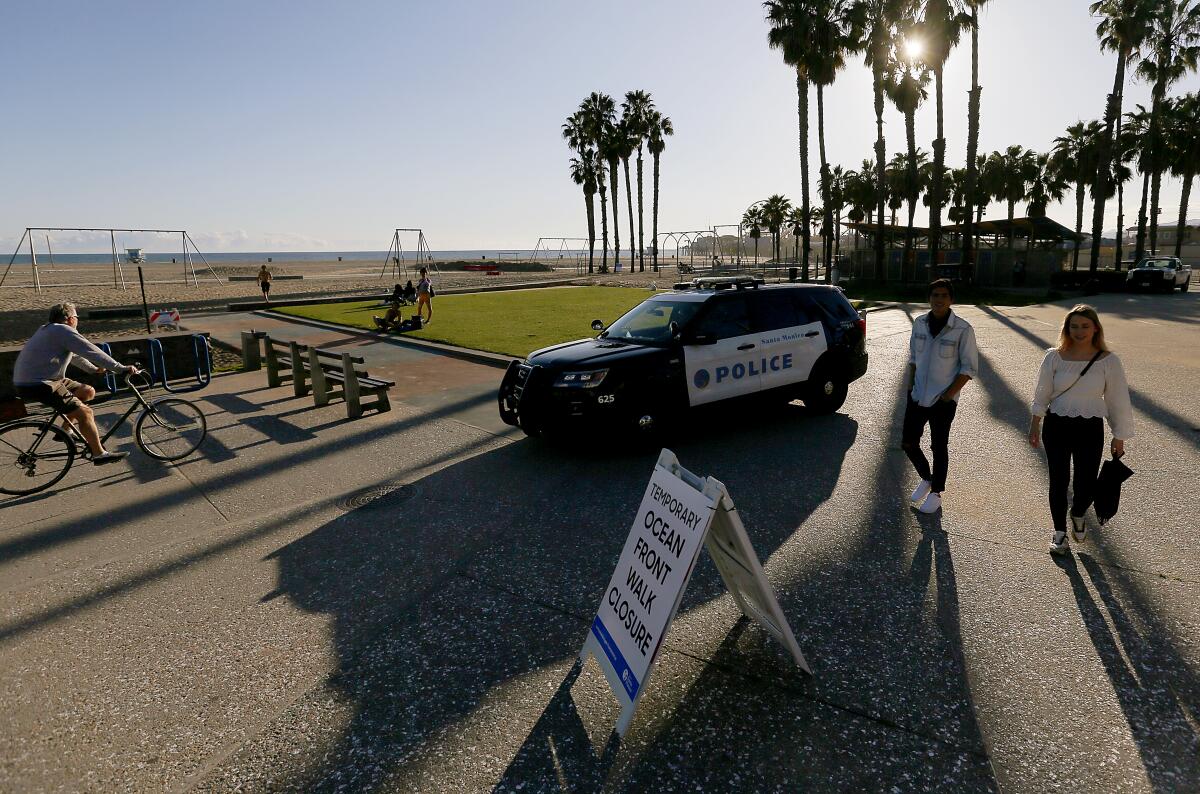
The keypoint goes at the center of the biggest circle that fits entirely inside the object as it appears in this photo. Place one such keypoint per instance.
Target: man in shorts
(41, 374)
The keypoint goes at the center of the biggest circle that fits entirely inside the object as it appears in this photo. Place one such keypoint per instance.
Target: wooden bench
(331, 375)
(351, 383)
(286, 362)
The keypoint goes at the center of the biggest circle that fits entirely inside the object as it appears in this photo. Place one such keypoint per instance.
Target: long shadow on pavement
(448, 595)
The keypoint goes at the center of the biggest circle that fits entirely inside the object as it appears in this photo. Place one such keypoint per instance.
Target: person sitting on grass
(391, 319)
(410, 293)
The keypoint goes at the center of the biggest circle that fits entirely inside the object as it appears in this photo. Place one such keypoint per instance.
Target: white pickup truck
(1163, 273)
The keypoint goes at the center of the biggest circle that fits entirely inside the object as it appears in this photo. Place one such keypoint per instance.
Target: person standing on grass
(264, 283)
(425, 295)
(1079, 384)
(942, 357)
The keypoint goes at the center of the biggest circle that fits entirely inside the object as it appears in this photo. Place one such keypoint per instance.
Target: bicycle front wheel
(29, 465)
(170, 429)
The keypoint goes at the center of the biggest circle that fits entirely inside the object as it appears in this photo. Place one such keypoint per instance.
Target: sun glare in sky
(914, 48)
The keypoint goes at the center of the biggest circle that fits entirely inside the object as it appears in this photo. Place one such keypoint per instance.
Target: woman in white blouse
(1080, 383)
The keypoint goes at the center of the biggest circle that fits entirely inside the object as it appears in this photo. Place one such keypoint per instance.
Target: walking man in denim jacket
(942, 357)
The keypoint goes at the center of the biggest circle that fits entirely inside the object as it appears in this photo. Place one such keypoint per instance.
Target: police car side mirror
(675, 333)
(597, 325)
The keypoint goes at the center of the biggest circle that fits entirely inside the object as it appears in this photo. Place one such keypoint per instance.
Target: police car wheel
(528, 427)
(825, 393)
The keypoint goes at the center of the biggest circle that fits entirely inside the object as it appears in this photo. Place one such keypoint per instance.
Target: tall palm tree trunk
(629, 209)
(802, 112)
(1183, 207)
(910, 131)
(1120, 225)
(616, 194)
(654, 218)
(641, 231)
(603, 222)
(880, 171)
(1079, 194)
(939, 163)
(1139, 248)
(589, 199)
(1156, 158)
(968, 254)
(1104, 155)
(826, 248)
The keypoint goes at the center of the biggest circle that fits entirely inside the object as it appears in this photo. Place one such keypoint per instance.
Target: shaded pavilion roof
(1044, 228)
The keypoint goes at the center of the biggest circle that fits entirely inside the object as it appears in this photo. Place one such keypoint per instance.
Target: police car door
(790, 338)
(719, 368)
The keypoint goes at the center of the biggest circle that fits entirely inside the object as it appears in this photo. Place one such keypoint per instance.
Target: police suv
(708, 340)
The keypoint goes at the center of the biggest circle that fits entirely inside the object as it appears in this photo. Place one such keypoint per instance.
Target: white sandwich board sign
(679, 513)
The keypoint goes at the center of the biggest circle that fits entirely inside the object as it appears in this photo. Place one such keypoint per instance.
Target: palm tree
(627, 143)
(968, 256)
(753, 218)
(905, 83)
(833, 37)
(1172, 50)
(660, 129)
(1137, 139)
(791, 24)
(610, 152)
(873, 20)
(1183, 142)
(941, 27)
(1046, 184)
(774, 212)
(836, 203)
(1013, 168)
(794, 224)
(1124, 151)
(1123, 27)
(637, 106)
(1074, 157)
(598, 111)
(583, 172)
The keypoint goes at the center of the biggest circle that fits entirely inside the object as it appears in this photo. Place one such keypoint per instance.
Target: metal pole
(145, 308)
(185, 259)
(112, 235)
(50, 251)
(13, 258)
(37, 280)
(216, 280)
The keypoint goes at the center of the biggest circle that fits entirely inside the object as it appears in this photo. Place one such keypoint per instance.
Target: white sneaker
(921, 491)
(1078, 529)
(932, 503)
(1058, 543)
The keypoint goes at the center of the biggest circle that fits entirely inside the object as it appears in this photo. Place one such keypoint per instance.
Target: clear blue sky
(310, 126)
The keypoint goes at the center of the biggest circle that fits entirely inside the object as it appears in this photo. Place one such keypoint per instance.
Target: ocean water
(105, 257)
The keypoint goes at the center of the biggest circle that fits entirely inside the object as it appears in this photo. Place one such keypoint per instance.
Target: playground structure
(397, 257)
(561, 248)
(133, 255)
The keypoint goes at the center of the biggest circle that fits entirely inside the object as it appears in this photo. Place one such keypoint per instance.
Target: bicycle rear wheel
(170, 428)
(26, 468)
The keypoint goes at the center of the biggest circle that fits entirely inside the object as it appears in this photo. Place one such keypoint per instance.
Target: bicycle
(37, 453)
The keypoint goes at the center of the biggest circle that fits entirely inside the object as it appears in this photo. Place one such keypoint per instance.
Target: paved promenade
(395, 603)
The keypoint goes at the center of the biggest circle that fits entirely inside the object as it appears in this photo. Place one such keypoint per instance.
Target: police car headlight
(582, 380)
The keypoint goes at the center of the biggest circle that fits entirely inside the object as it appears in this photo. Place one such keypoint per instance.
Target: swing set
(397, 259)
(133, 255)
(565, 248)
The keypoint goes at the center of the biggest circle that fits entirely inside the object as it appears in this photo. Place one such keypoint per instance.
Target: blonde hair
(1082, 310)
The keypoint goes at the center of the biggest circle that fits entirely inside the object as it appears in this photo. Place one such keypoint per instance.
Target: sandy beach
(23, 308)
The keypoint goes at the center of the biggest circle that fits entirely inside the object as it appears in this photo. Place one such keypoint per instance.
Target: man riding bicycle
(41, 368)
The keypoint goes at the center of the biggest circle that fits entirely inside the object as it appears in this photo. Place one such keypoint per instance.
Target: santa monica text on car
(706, 341)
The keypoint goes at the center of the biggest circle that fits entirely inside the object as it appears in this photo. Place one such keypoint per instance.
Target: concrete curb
(249, 306)
(464, 353)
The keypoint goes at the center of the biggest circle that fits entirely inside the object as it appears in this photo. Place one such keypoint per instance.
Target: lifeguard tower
(134, 256)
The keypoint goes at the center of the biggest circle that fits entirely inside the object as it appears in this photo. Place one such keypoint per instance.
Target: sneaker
(921, 491)
(1078, 529)
(1058, 542)
(108, 457)
(932, 503)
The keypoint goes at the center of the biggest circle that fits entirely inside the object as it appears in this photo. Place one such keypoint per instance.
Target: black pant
(1066, 438)
(939, 417)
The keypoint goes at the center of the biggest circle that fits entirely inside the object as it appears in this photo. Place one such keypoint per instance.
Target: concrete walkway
(395, 603)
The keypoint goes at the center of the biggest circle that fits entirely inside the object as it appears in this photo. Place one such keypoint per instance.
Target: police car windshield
(1158, 263)
(650, 322)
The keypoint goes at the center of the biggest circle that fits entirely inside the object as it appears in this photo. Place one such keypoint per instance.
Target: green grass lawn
(509, 322)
